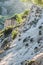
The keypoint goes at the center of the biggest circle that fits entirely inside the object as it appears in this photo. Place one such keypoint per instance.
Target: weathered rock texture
(29, 42)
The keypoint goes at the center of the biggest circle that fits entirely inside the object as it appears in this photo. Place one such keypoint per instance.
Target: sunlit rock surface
(37, 60)
(29, 42)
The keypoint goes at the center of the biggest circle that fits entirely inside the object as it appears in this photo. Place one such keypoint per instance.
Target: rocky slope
(8, 8)
(37, 60)
(29, 41)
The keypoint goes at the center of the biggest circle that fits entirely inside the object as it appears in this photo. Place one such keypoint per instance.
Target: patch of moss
(14, 34)
(20, 17)
(26, 12)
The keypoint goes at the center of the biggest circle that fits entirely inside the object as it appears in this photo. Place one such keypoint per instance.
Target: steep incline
(29, 42)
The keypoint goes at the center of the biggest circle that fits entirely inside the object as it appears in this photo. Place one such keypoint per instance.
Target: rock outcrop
(29, 41)
(37, 60)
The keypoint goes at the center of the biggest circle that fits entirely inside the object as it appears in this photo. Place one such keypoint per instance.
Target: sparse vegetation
(7, 31)
(20, 17)
(26, 12)
(14, 34)
(38, 2)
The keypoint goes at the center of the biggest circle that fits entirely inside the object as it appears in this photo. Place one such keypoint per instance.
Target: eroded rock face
(29, 41)
(37, 60)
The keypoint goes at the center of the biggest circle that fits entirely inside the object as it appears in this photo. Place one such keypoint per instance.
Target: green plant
(14, 34)
(7, 31)
(26, 12)
(18, 18)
